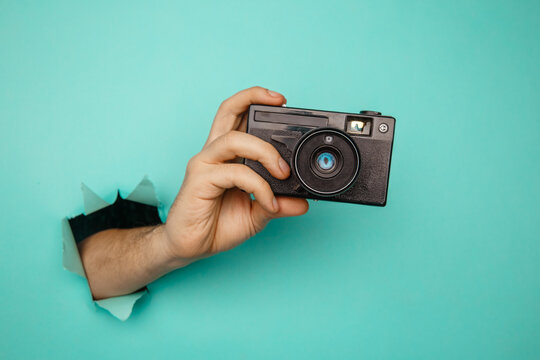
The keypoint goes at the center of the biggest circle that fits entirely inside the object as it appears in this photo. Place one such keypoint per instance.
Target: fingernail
(275, 204)
(273, 93)
(284, 166)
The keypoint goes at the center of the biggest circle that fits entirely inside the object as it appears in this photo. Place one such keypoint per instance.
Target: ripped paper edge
(120, 307)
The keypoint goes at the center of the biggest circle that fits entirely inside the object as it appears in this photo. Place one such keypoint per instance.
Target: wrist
(171, 259)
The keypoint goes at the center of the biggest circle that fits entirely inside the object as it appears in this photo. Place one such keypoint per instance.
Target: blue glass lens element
(326, 161)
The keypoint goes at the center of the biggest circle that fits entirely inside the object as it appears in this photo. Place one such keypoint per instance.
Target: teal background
(106, 92)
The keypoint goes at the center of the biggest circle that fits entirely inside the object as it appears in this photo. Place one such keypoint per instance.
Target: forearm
(121, 261)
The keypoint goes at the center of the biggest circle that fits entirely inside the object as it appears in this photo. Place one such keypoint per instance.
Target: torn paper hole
(140, 208)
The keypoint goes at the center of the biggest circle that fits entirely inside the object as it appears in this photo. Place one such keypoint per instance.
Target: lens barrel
(326, 161)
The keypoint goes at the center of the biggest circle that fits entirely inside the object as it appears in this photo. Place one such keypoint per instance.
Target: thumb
(288, 206)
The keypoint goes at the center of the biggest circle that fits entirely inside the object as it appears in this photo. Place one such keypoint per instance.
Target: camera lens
(323, 167)
(326, 161)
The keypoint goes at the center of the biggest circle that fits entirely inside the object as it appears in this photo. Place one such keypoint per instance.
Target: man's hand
(213, 211)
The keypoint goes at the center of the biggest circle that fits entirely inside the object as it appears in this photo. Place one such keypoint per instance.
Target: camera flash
(328, 139)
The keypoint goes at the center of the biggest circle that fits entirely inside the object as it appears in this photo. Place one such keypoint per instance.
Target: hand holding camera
(213, 211)
(291, 153)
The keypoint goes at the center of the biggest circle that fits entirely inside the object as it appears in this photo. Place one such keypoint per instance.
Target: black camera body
(333, 156)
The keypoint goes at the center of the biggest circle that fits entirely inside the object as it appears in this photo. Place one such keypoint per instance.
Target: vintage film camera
(333, 155)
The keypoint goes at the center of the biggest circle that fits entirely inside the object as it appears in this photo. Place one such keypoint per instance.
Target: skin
(213, 211)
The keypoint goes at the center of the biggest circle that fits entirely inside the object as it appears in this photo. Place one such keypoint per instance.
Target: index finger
(239, 102)
(228, 115)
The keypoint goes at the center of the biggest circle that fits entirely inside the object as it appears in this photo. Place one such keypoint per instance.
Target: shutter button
(369, 112)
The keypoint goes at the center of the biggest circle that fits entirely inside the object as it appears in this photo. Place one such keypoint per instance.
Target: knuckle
(229, 138)
(231, 172)
(225, 104)
(225, 140)
(234, 133)
(193, 164)
(226, 107)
